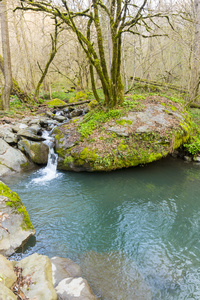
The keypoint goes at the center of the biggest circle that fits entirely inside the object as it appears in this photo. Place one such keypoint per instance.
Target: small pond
(134, 232)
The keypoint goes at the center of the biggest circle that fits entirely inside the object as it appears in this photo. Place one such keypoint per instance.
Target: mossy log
(160, 84)
(23, 96)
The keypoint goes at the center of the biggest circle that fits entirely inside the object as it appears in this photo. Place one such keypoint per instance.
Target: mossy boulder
(55, 102)
(136, 133)
(36, 151)
(15, 225)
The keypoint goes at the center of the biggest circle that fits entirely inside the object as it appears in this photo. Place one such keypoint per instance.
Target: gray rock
(36, 151)
(11, 160)
(69, 140)
(48, 122)
(29, 133)
(6, 294)
(74, 289)
(35, 120)
(36, 128)
(38, 267)
(26, 120)
(59, 118)
(49, 114)
(63, 268)
(7, 134)
(196, 158)
(76, 113)
(187, 158)
(16, 227)
(17, 127)
(119, 130)
(7, 274)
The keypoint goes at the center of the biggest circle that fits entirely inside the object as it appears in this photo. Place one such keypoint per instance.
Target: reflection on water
(135, 232)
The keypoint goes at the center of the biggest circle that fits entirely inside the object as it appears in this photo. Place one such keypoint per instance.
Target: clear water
(134, 232)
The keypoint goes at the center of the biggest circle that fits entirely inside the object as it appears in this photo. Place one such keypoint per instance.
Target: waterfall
(50, 171)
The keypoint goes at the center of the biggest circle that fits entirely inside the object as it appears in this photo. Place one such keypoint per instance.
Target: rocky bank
(35, 277)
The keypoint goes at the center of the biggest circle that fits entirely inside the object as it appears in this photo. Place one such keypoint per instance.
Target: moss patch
(16, 203)
(55, 102)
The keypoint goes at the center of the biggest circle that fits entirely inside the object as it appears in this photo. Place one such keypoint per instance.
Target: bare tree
(195, 78)
(123, 16)
(6, 56)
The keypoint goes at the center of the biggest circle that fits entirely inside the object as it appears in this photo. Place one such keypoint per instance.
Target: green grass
(94, 119)
(193, 145)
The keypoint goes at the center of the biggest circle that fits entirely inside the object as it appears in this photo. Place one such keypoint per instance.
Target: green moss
(68, 160)
(123, 122)
(80, 96)
(55, 102)
(88, 154)
(173, 108)
(95, 119)
(16, 203)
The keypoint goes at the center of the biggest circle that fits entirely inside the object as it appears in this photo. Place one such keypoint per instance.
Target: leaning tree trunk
(195, 78)
(16, 89)
(6, 57)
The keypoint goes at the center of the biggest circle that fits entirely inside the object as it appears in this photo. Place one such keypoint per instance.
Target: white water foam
(50, 172)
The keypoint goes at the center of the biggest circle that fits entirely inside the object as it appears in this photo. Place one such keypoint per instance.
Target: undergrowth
(193, 145)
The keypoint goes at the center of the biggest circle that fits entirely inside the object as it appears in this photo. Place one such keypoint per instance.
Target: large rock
(36, 151)
(38, 268)
(7, 274)
(133, 136)
(7, 135)
(63, 268)
(29, 133)
(6, 294)
(11, 159)
(74, 289)
(15, 224)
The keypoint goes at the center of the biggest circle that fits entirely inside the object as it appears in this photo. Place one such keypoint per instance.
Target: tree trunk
(195, 80)
(16, 89)
(6, 56)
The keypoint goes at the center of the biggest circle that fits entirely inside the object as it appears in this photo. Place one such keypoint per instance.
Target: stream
(134, 232)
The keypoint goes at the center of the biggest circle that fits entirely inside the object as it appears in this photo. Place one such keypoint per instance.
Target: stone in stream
(30, 134)
(11, 159)
(38, 268)
(134, 137)
(36, 151)
(15, 224)
(63, 268)
(74, 289)
(7, 135)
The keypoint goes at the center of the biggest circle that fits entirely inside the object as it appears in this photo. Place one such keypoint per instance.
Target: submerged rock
(11, 159)
(15, 224)
(115, 276)
(63, 268)
(130, 138)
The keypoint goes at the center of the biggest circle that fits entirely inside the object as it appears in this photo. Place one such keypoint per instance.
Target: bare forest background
(171, 58)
